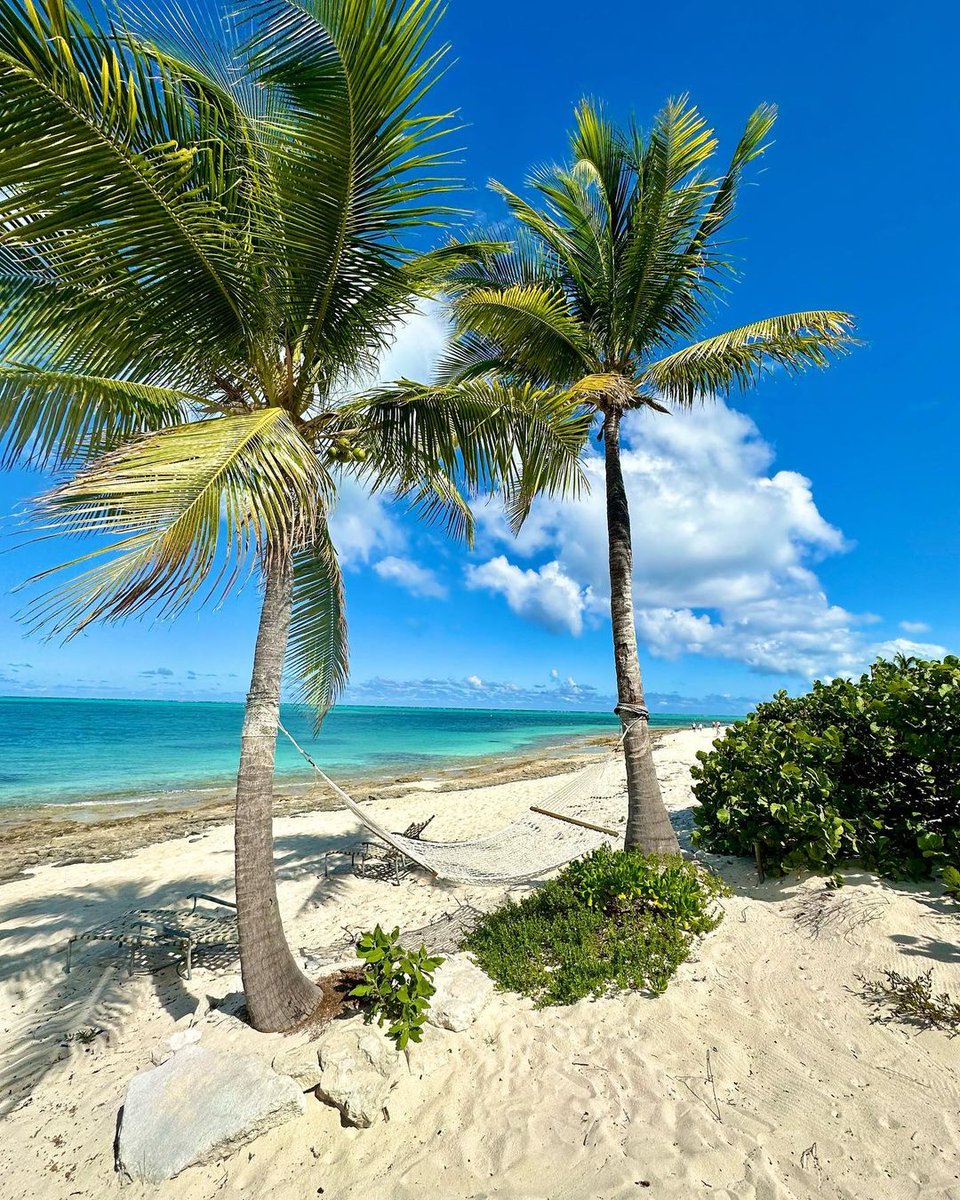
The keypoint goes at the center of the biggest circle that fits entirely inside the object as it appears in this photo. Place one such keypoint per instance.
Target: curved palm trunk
(278, 994)
(648, 825)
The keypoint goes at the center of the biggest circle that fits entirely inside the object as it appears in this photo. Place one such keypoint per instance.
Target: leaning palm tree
(203, 233)
(611, 274)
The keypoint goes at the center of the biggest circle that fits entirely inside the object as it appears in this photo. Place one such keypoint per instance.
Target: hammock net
(530, 846)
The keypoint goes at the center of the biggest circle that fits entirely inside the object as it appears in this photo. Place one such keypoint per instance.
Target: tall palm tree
(614, 266)
(203, 233)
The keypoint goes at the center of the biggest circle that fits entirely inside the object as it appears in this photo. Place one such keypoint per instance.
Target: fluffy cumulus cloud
(418, 580)
(914, 627)
(725, 552)
(363, 526)
(547, 596)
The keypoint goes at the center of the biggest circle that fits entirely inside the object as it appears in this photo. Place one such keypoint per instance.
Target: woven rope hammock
(533, 845)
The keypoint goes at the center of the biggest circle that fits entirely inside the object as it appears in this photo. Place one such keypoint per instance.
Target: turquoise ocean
(83, 752)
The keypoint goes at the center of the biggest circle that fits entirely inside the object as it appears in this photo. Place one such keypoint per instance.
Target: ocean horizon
(62, 752)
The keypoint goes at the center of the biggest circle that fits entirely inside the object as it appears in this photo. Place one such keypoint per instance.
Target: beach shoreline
(101, 831)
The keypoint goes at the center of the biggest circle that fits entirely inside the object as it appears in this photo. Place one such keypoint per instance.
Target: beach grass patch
(615, 920)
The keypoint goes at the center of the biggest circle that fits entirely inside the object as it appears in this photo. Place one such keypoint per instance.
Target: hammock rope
(532, 845)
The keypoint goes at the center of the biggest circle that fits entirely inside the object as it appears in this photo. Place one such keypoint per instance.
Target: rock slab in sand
(358, 1067)
(463, 991)
(301, 1063)
(198, 1107)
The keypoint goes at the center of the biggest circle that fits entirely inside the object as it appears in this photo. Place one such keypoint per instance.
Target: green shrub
(613, 920)
(397, 985)
(866, 770)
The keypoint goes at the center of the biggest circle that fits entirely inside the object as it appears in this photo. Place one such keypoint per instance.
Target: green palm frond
(531, 324)
(736, 359)
(317, 651)
(195, 506)
(355, 163)
(51, 417)
(131, 188)
(479, 436)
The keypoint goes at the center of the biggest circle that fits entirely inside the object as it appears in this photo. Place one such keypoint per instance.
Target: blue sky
(795, 532)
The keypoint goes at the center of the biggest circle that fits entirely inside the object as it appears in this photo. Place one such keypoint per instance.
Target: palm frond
(737, 358)
(356, 162)
(532, 325)
(193, 507)
(132, 185)
(317, 652)
(475, 436)
(49, 417)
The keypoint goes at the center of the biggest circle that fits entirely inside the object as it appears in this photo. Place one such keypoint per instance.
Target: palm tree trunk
(648, 824)
(278, 994)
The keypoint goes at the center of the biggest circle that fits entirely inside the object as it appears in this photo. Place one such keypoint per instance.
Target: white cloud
(474, 692)
(724, 551)
(547, 596)
(914, 627)
(363, 526)
(418, 580)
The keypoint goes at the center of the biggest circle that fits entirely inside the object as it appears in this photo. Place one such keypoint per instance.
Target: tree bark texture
(648, 823)
(277, 992)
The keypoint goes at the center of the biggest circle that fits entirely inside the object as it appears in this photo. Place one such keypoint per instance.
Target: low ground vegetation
(911, 1000)
(396, 985)
(611, 921)
(865, 771)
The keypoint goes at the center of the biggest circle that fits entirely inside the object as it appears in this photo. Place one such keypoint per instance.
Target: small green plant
(912, 1001)
(614, 920)
(951, 882)
(396, 986)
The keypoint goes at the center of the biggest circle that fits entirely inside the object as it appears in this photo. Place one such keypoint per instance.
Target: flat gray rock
(197, 1107)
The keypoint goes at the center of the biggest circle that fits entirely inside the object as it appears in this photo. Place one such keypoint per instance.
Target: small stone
(358, 1067)
(184, 1037)
(463, 991)
(198, 1107)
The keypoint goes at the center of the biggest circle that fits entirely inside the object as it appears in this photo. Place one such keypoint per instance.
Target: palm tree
(202, 242)
(611, 274)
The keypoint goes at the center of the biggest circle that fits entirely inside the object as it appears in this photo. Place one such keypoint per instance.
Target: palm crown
(618, 264)
(202, 243)
(610, 277)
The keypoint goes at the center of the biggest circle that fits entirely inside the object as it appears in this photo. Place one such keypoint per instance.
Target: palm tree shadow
(64, 1018)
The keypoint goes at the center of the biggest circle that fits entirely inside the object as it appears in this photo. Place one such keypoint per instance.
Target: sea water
(66, 752)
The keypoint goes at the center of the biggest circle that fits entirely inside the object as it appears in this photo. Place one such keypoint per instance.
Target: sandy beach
(760, 1075)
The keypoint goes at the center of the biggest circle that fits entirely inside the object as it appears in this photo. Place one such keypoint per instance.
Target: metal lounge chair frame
(156, 927)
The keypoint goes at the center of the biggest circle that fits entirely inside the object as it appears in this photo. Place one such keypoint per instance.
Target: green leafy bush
(866, 770)
(397, 985)
(613, 920)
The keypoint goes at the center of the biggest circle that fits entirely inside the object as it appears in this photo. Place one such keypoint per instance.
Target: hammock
(533, 845)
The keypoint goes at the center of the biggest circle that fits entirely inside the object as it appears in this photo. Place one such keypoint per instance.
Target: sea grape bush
(396, 986)
(614, 920)
(865, 770)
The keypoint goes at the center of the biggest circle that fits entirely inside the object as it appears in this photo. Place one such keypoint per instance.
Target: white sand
(808, 1098)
